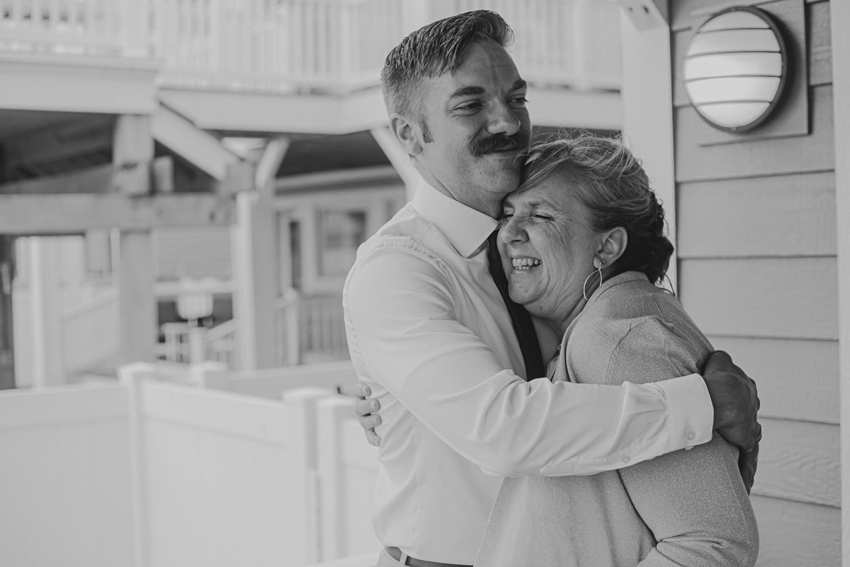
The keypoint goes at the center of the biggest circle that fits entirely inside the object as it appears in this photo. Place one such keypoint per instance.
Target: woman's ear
(407, 134)
(613, 245)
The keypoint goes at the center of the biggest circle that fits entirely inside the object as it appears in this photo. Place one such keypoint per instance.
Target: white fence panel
(273, 382)
(348, 469)
(226, 479)
(65, 477)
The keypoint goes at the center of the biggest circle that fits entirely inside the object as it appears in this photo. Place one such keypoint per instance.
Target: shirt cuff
(691, 411)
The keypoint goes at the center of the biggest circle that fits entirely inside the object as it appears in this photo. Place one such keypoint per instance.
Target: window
(340, 233)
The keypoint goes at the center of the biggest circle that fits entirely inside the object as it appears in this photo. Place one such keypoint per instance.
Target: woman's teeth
(525, 263)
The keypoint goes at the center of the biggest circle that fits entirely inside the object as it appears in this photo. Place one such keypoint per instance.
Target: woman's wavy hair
(435, 49)
(612, 185)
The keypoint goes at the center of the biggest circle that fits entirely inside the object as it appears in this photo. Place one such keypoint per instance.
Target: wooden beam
(364, 110)
(269, 163)
(647, 14)
(100, 179)
(69, 214)
(648, 113)
(200, 148)
(103, 85)
(132, 154)
(840, 22)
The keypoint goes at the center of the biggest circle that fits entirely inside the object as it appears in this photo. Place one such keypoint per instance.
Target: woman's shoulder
(636, 327)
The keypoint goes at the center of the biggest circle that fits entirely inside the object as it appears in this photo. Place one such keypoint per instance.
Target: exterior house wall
(758, 273)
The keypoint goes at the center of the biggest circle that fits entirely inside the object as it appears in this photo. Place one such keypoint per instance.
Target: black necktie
(521, 320)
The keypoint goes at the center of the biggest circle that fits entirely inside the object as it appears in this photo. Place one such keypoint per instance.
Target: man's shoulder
(406, 235)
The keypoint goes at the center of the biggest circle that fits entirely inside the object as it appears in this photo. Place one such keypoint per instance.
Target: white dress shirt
(430, 334)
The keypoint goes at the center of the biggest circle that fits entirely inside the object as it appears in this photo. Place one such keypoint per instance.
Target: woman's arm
(694, 501)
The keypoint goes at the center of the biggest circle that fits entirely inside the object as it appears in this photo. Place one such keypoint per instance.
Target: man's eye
(538, 216)
(470, 106)
(519, 101)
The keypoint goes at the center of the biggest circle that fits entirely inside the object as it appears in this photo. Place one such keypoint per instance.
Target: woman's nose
(512, 231)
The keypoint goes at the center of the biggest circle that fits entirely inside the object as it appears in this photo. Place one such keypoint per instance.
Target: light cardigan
(686, 508)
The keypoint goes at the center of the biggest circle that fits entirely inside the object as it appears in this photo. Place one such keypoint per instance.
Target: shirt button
(626, 459)
(691, 435)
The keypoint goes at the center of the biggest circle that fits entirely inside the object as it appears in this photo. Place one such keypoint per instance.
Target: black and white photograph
(427, 283)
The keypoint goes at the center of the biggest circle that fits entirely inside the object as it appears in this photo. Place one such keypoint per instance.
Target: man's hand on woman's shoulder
(736, 403)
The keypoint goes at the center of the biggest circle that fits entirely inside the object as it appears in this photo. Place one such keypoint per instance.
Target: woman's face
(547, 247)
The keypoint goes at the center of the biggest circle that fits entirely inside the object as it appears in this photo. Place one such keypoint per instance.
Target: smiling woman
(582, 242)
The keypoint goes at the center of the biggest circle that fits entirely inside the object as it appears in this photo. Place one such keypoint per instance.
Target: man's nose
(503, 120)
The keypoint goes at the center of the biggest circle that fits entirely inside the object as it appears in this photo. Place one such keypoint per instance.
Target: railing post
(304, 401)
(291, 327)
(208, 374)
(133, 376)
(136, 28)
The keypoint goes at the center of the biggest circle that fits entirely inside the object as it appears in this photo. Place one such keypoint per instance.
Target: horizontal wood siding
(758, 273)
(787, 215)
(757, 158)
(793, 298)
(797, 379)
(799, 461)
(797, 535)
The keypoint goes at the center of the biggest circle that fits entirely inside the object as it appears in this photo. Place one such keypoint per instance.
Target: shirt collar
(466, 228)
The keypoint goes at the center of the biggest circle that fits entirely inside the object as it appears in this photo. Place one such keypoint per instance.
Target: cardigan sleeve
(693, 501)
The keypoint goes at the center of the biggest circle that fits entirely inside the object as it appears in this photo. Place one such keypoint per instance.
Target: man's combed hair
(612, 185)
(436, 49)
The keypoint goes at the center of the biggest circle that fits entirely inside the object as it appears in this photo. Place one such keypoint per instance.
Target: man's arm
(734, 397)
(405, 335)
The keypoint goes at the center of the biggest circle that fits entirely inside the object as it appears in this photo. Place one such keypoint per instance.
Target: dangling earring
(597, 271)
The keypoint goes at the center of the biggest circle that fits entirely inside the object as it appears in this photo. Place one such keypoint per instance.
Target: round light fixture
(735, 68)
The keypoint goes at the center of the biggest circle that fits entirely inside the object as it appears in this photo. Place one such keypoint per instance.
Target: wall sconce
(735, 68)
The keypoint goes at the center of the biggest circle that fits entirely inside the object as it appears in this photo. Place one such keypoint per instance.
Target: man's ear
(614, 245)
(407, 134)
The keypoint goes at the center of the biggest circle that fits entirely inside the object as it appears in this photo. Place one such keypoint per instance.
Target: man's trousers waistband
(400, 558)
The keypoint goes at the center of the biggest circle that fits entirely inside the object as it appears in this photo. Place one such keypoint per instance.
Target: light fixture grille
(735, 68)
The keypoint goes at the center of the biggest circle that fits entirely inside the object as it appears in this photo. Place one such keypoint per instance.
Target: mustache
(499, 143)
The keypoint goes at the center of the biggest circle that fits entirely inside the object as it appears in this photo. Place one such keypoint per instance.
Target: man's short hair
(435, 49)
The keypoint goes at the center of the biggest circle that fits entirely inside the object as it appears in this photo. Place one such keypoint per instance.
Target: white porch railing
(185, 344)
(90, 333)
(309, 329)
(289, 45)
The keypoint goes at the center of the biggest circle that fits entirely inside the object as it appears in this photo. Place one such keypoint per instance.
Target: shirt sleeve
(404, 334)
(694, 502)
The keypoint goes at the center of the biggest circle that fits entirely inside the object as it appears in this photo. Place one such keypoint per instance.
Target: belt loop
(403, 559)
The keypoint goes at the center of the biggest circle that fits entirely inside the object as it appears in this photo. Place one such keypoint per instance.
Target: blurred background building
(233, 149)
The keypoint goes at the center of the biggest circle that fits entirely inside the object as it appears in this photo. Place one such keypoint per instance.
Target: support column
(840, 23)
(7, 341)
(136, 302)
(45, 306)
(647, 96)
(398, 158)
(255, 271)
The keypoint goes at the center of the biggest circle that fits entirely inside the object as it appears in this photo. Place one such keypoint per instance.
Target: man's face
(472, 125)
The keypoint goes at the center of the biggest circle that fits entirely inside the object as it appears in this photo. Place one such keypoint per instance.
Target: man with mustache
(446, 355)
